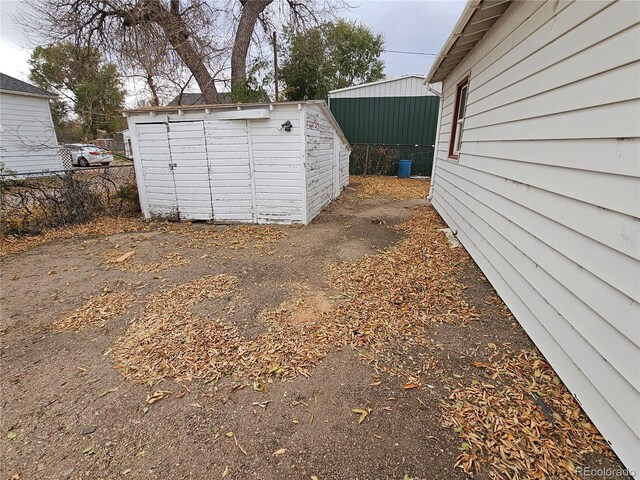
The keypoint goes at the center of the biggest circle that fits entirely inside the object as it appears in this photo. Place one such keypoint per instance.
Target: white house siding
(410, 86)
(320, 161)
(546, 192)
(27, 139)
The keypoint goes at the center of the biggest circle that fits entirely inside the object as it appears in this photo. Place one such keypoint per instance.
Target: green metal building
(387, 121)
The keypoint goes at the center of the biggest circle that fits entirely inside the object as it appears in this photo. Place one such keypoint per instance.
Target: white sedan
(85, 155)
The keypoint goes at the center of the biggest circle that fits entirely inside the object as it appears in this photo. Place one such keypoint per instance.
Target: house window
(458, 118)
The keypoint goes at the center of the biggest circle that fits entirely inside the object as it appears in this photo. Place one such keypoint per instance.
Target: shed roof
(476, 19)
(236, 106)
(13, 85)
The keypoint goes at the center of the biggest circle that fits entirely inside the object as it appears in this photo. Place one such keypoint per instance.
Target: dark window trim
(454, 119)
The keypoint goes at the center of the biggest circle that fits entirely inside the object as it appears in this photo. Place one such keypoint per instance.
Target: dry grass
(522, 422)
(391, 187)
(97, 311)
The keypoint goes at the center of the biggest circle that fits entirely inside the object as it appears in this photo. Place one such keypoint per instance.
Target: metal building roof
(386, 80)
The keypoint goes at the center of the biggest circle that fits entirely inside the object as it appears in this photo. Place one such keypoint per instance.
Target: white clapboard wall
(27, 138)
(545, 194)
(238, 164)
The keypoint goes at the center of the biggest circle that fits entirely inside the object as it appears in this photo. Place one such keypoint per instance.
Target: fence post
(366, 161)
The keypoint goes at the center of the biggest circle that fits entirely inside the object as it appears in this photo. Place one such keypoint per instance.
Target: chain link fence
(32, 202)
(378, 159)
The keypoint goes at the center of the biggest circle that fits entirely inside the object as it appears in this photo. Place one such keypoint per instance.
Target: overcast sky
(412, 25)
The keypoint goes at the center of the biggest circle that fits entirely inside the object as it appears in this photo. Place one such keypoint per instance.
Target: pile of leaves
(390, 187)
(386, 304)
(168, 340)
(96, 311)
(100, 227)
(393, 298)
(521, 421)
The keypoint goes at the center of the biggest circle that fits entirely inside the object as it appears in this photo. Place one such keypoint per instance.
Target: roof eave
(215, 106)
(467, 13)
(27, 94)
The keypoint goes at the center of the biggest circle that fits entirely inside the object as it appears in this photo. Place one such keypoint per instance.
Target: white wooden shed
(28, 140)
(538, 173)
(246, 163)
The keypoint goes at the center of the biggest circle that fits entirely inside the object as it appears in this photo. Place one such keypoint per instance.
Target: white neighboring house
(27, 138)
(538, 173)
(245, 163)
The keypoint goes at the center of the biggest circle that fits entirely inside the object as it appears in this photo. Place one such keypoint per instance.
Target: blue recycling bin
(404, 168)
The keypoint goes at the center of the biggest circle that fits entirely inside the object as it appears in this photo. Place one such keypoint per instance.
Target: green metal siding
(398, 121)
(388, 120)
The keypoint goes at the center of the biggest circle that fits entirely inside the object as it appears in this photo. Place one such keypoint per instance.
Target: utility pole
(275, 63)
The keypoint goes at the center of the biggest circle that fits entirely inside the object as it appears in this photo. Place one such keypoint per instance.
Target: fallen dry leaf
(123, 257)
(106, 392)
(99, 227)
(157, 396)
(390, 187)
(362, 412)
(411, 385)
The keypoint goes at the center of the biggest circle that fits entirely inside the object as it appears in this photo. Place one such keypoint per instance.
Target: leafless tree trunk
(178, 34)
(251, 10)
(155, 100)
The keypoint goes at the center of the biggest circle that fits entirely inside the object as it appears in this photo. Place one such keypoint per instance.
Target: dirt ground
(68, 413)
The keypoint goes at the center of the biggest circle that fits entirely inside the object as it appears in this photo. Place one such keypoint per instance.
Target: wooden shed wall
(326, 162)
(235, 165)
(545, 194)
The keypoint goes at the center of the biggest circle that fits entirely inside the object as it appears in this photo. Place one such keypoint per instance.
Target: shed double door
(198, 170)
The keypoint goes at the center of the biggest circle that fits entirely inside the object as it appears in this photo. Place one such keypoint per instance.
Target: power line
(411, 53)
